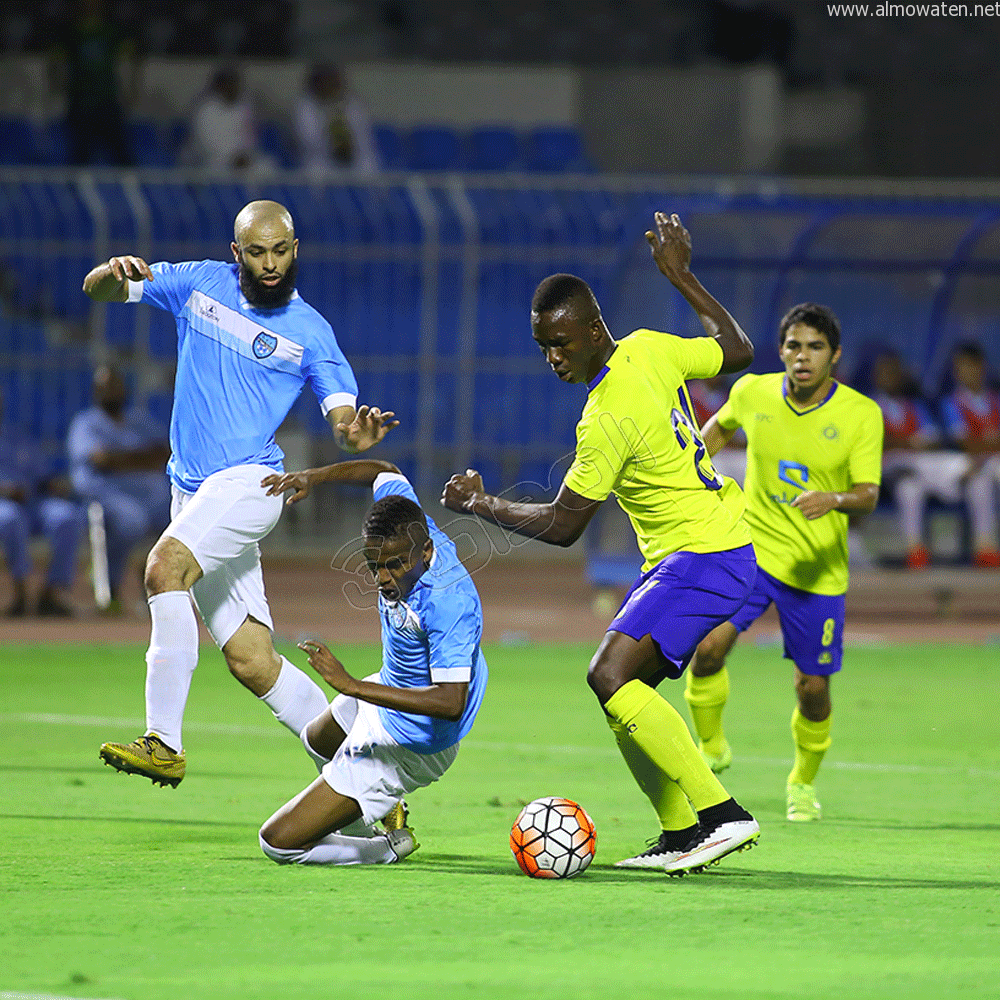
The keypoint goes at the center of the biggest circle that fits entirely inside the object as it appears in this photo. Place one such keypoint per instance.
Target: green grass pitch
(113, 888)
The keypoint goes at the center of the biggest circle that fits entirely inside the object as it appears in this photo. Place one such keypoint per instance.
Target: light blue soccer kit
(432, 637)
(239, 371)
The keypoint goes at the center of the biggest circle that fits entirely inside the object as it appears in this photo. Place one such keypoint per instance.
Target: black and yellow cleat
(148, 756)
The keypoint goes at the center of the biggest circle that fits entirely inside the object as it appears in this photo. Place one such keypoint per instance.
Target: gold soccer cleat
(396, 817)
(148, 756)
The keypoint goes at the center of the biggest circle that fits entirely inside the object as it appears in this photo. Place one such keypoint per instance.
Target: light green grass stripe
(227, 729)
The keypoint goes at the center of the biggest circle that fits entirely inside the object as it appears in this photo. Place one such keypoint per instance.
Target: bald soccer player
(246, 345)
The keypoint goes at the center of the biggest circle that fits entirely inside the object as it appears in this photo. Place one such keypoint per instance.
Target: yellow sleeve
(730, 414)
(693, 357)
(866, 454)
(598, 462)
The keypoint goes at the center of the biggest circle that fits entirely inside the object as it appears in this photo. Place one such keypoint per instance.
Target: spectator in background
(914, 464)
(707, 397)
(972, 419)
(224, 127)
(332, 128)
(117, 457)
(34, 501)
(85, 62)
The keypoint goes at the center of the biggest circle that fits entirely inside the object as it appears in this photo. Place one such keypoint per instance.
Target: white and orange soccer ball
(553, 838)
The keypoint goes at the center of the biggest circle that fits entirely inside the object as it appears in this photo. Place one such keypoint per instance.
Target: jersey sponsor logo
(264, 344)
(763, 416)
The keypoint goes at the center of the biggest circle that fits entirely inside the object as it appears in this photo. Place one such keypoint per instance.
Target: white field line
(225, 729)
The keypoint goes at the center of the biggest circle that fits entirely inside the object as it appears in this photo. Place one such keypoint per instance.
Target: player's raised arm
(560, 522)
(358, 430)
(362, 472)
(670, 244)
(109, 282)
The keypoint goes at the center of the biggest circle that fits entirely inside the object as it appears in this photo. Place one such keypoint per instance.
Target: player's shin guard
(812, 740)
(672, 807)
(662, 735)
(295, 699)
(170, 662)
(706, 698)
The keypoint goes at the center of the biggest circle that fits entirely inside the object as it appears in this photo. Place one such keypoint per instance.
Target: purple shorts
(812, 625)
(683, 597)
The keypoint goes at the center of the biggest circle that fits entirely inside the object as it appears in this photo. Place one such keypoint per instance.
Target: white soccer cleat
(713, 845)
(656, 855)
(402, 843)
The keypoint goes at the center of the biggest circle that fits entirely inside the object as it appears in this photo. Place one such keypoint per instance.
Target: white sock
(295, 698)
(911, 497)
(335, 849)
(170, 662)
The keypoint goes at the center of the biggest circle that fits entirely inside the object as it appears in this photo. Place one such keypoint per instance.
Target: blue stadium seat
(389, 147)
(18, 142)
(493, 149)
(150, 143)
(556, 150)
(433, 148)
(275, 142)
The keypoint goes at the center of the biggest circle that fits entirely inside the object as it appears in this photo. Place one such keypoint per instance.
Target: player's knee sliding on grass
(247, 345)
(638, 439)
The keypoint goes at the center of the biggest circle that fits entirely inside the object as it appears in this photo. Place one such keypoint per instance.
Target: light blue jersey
(239, 369)
(432, 637)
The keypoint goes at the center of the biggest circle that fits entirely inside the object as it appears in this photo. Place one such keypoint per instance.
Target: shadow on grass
(818, 881)
(756, 879)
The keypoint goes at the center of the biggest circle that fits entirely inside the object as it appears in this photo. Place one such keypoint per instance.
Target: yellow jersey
(830, 447)
(638, 439)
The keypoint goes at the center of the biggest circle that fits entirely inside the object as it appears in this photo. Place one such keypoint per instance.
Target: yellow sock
(706, 698)
(812, 740)
(662, 735)
(672, 807)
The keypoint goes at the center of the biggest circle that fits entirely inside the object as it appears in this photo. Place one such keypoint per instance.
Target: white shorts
(371, 767)
(221, 524)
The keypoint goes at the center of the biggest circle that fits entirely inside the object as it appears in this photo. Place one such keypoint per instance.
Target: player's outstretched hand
(670, 244)
(815, 503)
(326, 665)
(369, 426)
(281, 482)
(131, 267)
(460, 491)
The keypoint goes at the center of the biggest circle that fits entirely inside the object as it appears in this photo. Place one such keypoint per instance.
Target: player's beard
(268, 296)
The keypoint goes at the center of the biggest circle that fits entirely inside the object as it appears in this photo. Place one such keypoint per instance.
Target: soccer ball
(553, 838)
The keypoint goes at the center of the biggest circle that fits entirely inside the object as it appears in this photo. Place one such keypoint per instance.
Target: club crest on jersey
(264, 345)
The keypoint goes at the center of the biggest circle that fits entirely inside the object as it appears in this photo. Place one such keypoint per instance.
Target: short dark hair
(559, 291)
(821, 318)
(393, 516)
(969, 349)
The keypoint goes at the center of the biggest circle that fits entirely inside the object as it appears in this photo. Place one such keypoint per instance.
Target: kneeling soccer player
(399, 729)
